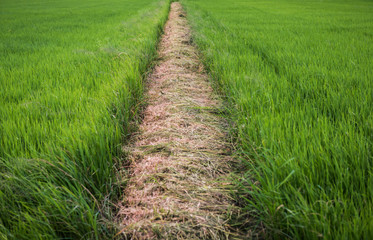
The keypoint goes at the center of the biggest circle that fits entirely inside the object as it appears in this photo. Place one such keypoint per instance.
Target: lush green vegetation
(298, 76)
(71, 78)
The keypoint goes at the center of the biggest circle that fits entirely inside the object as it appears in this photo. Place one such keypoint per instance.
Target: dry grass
(179, 158)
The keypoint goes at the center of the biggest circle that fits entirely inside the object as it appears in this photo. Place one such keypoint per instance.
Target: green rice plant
(71, 80)
(298, 77)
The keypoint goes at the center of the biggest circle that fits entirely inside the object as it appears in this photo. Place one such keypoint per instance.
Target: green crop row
(71, 79)
(297, 75)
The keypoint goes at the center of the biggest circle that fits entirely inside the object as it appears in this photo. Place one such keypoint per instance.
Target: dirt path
(179, 157)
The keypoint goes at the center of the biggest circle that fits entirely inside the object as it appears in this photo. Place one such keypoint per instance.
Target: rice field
(71, 77)
(297, 76)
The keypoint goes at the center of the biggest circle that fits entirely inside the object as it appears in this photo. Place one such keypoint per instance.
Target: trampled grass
(70, 81)
(298, 76)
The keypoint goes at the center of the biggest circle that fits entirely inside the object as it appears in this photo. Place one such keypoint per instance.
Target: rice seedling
(71, 77)
(298, 79)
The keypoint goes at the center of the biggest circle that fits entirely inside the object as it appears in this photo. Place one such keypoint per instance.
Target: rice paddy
(296, 76)
(71, 81)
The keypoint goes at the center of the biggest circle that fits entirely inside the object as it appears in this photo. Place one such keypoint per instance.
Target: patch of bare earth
(179, 158)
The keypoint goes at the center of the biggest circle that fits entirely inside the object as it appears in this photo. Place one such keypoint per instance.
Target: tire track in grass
(179, 158)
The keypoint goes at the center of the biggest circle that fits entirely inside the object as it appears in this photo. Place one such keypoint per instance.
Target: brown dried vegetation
(179, 158)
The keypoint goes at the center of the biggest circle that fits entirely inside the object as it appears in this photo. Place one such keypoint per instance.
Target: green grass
(298, 76)
(71, 77)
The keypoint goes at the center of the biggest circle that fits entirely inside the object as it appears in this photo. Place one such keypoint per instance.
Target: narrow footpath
(180, 156)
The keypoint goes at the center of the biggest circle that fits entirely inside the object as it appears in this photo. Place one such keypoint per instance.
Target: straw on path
(179, 158)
